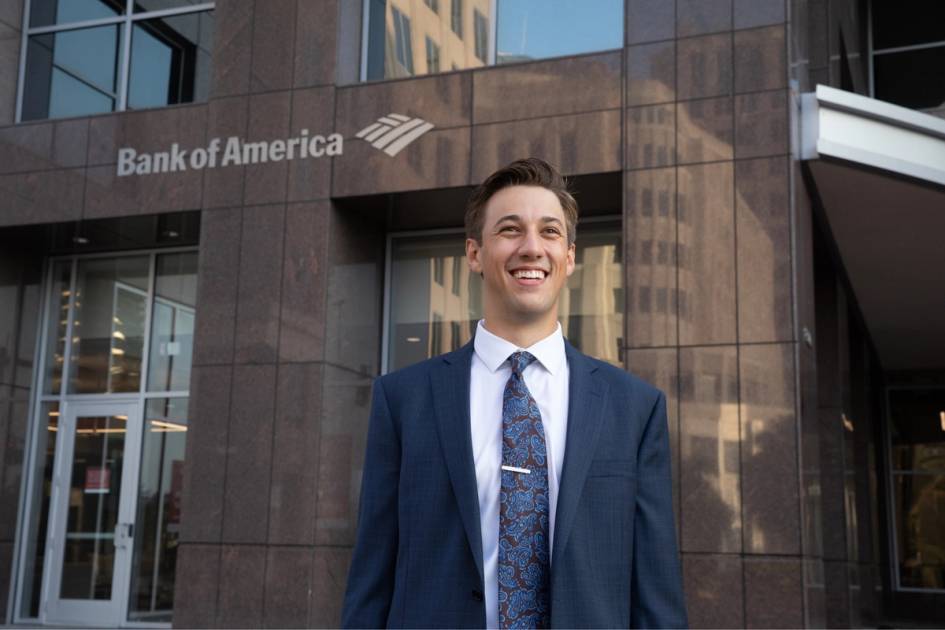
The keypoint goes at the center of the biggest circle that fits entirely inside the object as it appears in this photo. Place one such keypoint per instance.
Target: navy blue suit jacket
(418, 557)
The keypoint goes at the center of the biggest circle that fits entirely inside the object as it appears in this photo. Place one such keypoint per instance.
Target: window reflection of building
(435, 302)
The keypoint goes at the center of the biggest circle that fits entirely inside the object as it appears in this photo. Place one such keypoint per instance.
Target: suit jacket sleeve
(656, 584)
(371, 576)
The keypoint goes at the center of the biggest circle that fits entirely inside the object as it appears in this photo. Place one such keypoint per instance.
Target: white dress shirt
(547, 381)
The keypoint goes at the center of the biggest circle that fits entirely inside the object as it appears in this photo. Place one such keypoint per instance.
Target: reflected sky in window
(535, 29)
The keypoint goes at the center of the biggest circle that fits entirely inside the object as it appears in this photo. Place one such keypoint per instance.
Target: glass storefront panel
(57, 327)
(108, 325)
(172, 322)
(35, 540)
(917, 436)
(920, 516)
(436, 302)
(72, 73)
(157, 528)
(170, 60)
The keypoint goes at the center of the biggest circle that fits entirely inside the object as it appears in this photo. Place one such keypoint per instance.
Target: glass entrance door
(91, 526)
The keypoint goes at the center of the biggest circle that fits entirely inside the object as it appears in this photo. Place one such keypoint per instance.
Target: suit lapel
(586, 395)
(450, 386)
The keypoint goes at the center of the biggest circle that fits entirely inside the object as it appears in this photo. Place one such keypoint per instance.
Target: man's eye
(552, 231)
(508, 228)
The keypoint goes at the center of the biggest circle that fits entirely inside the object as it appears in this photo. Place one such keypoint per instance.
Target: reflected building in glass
(187, 356)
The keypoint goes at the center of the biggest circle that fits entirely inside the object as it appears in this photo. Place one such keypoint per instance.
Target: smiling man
(516, 482)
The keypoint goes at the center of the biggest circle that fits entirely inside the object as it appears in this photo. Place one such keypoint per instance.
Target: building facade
(219, 221)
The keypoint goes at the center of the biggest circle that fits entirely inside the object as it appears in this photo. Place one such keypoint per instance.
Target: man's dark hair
(527, 172)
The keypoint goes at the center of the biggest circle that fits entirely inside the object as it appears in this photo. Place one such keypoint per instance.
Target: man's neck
(521, 335)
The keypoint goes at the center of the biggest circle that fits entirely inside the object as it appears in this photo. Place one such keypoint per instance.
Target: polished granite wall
(695, 111)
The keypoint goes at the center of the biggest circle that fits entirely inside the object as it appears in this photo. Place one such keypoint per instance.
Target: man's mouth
(529, 274)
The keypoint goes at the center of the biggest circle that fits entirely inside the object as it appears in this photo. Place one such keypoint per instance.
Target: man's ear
(571, 254)
(472, 255)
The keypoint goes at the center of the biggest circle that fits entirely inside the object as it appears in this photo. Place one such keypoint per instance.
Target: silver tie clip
(524, 471)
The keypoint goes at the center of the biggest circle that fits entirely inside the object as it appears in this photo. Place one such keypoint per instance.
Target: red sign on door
(98, 480)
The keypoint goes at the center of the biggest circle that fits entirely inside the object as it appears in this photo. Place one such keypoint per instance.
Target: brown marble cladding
(438, 159)
(146, 131)
(770, 493)
(42, 196)
(710, 491)
(578, 143)
(259, 289)
(650, 20)
(706, 218)
(329, 578)
(196, 586)
(651, 136)
(43, 146)
(773, 593)
(704, 66)
(760, 59)
(304, 282)
(226, 117)
(269, 118)
(764, 250)
(444, 99)
(650, 250)
(249, 454)
(546, 88)
(296, 430)
(660, 366)
(274, 29)
(287, 587)
(651, 73)
(233, 47)
(714, 590)
(240, 600)
(11, 20)
(205, 473)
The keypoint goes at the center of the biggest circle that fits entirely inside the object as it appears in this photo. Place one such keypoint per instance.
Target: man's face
(524, 256)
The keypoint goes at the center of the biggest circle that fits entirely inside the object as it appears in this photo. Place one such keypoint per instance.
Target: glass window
(482, 35)
(57, 326)
(428, 317)
(157, 525)
(910, 78)
(535, 29)
(917, 427)
(35, 538)
(170, 60)
(433, 4)
(108, 325)
(72, 73)
(402, 43)
(80, 71)
(521, 29)
(456, 17)
(433, 56)
(908, 54)
(172, 322)
(50, 12)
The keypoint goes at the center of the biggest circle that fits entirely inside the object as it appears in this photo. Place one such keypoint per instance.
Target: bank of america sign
(390, 134)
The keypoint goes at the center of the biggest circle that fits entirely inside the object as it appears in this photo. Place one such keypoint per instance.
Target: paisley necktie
(524, 569)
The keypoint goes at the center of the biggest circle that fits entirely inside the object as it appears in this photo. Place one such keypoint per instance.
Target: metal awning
(880, 173)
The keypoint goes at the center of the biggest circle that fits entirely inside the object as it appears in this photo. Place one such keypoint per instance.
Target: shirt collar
(494, 350)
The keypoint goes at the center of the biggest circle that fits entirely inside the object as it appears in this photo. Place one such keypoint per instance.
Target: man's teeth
(537, 274)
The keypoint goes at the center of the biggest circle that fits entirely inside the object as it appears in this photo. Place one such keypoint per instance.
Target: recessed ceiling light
(80, 240)
(941, 417)
(413, 339)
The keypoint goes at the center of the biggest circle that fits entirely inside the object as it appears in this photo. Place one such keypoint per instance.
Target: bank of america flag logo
(393, 132)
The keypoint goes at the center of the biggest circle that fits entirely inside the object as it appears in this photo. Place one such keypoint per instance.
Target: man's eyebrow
(508, 217)
(551, 220)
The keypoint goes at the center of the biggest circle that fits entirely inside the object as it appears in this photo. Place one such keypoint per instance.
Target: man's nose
(531, 244)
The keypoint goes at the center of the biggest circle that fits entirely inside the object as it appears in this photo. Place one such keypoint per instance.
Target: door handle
(124, 533)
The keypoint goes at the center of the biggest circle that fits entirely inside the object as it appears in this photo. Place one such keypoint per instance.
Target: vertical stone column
(11, 25)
